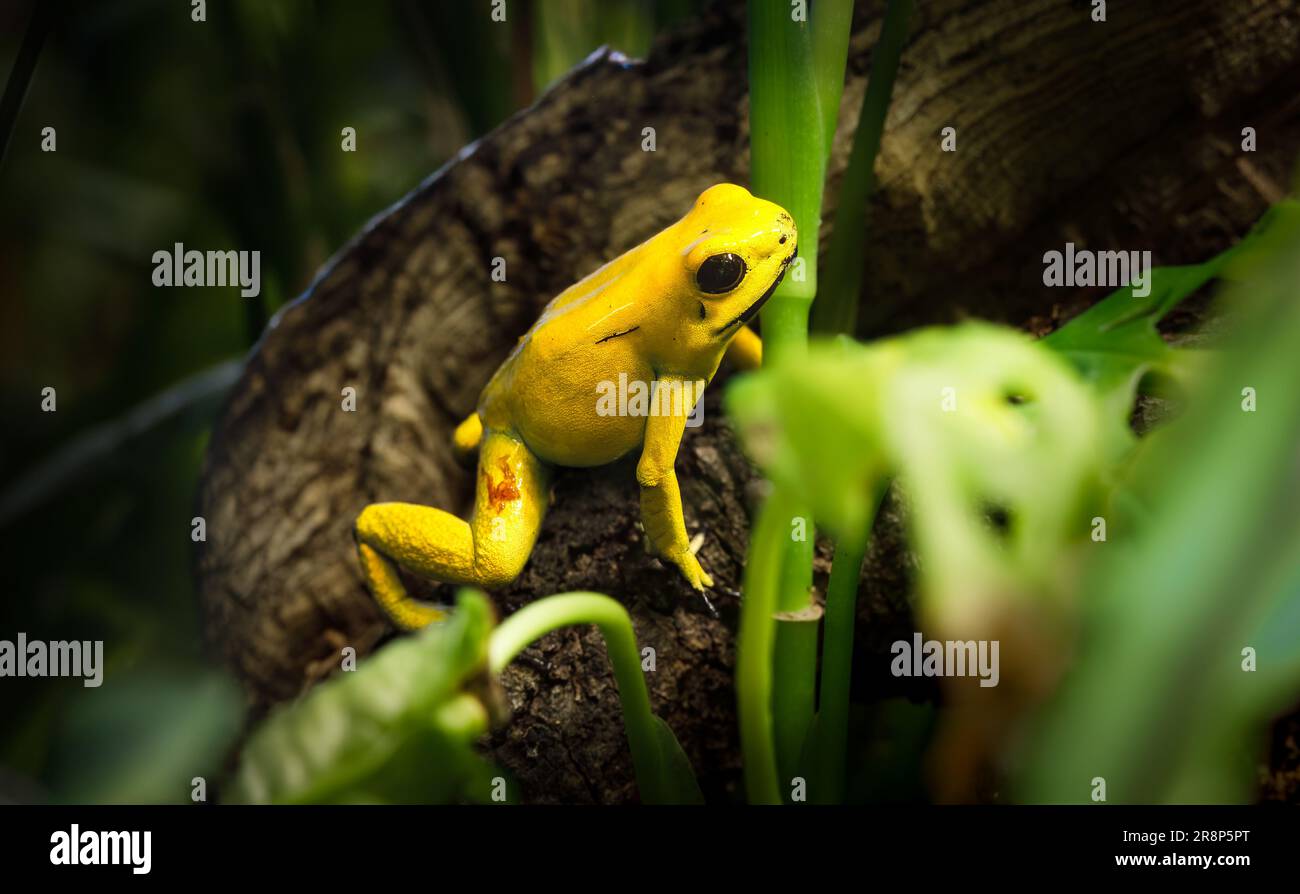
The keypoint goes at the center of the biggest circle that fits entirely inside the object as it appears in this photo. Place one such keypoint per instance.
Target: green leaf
(672, 780)
(1114, 344)
(400, 728)
(1161, 703)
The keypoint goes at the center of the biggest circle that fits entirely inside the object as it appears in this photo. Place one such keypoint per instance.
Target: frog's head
(735, 249)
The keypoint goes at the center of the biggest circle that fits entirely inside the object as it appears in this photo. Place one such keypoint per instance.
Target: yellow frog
(660, 316)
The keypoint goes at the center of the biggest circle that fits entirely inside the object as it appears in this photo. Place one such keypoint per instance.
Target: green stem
(785, 320)
(837, 662)
(755, 644)
(794, 697)
(796, 77)
(536, 620)
(787, 158)
(837, 305)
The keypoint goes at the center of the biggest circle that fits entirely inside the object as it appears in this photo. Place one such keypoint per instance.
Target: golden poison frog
(661, 315)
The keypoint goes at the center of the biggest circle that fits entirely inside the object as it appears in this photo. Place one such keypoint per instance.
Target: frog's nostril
(782, 240)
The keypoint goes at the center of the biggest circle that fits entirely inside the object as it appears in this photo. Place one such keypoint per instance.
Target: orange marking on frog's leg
(505, 490)
(511, 498)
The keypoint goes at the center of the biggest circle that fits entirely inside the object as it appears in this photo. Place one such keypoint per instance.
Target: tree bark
(1123, 134)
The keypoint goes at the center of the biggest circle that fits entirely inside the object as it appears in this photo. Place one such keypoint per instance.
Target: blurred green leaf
(398, 729)
(972, 417)
(141, 737)
(981, 420)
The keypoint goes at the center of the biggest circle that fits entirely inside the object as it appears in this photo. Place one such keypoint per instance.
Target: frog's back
(546, 390)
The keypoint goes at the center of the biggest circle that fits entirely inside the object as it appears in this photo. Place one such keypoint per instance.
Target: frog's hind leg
(489, 550)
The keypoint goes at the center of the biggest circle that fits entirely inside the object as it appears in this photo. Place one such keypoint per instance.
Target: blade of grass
(832, 24)
(837, 303)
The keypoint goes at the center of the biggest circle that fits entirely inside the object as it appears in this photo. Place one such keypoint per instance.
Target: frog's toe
(695, 575)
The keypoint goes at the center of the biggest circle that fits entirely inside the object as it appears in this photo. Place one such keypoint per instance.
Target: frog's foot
(730, 592)
(693, 572)
(685, 562)
(690, 566)
(487, 551)
(386, 584)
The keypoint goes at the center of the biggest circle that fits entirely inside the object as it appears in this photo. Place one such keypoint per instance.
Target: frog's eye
(720, 273)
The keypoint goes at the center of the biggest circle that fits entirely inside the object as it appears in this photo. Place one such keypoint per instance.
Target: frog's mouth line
(752, 311)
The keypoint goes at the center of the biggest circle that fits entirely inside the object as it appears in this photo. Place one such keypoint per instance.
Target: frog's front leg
(746, 350)
(661, 499)
(488, 551)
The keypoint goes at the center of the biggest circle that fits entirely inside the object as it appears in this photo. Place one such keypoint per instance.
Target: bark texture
(1123, 134)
